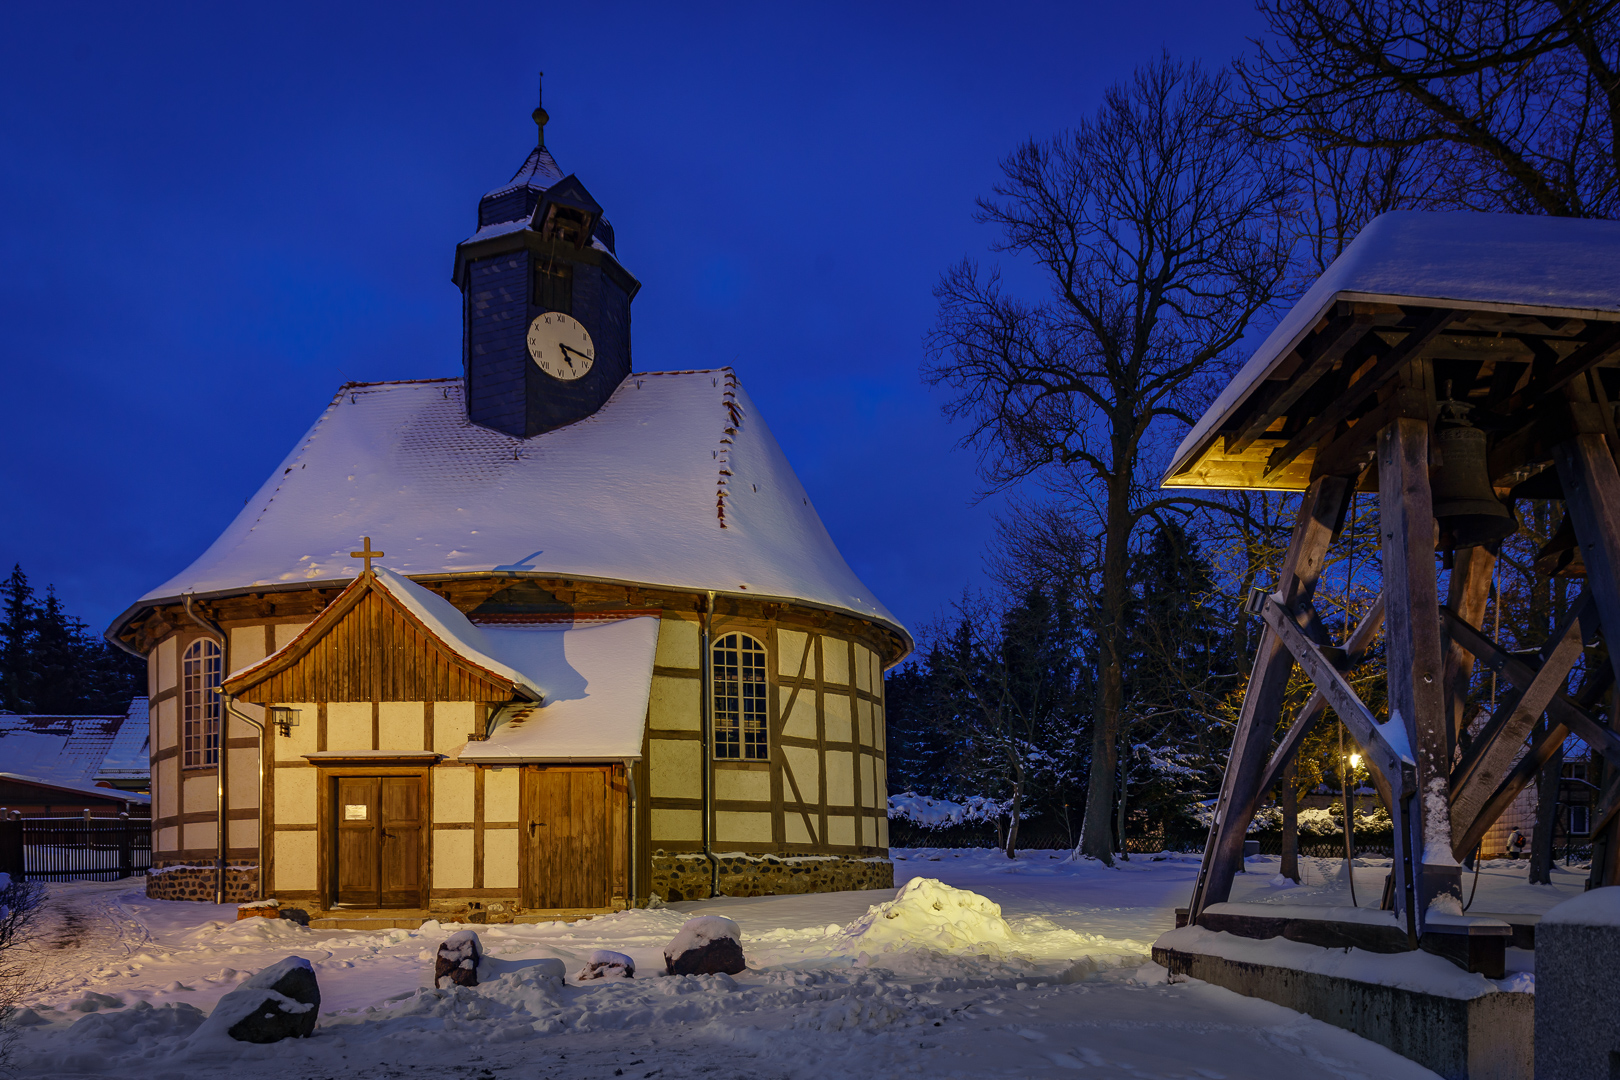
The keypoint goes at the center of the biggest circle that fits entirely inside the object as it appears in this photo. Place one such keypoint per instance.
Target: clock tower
(545, 302)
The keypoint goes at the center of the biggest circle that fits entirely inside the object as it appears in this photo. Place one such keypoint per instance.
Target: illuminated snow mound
(929, 914)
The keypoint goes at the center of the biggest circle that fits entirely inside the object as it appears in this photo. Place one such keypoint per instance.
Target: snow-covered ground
(1059, 981)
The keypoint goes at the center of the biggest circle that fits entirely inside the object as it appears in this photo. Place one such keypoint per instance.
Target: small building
(603, 650)
(51, 766)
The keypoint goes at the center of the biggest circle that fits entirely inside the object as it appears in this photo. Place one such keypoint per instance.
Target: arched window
(200, 704)
(740, 709)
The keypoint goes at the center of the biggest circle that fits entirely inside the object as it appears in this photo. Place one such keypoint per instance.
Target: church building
(546, 639)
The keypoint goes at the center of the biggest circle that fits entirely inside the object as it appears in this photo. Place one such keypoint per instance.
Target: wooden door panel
(568, 838)
(357, 835)
(400, 819)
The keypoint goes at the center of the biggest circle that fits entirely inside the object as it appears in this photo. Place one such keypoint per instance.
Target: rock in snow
(606, 964)
(706, 945)
(279, 1002)
(458, 958)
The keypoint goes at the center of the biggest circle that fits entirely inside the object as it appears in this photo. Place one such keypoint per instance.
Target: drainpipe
(230, 707)
(707, 696)
(214, 630)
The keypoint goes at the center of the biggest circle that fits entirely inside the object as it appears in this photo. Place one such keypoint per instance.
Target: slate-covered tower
(542, 245)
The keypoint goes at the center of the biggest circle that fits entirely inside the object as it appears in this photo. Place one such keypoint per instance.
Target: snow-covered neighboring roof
(129, 756)
(1485, 262)
(597, 677)
(60, 749)
(675, 482)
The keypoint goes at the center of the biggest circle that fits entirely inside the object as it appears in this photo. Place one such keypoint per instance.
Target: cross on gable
(366, 553)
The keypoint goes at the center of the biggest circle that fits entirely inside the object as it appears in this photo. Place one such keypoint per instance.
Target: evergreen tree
(16, 642)
(51, 663)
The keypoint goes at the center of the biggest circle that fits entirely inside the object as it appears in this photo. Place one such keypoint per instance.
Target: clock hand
(566, 350)
(566, 357)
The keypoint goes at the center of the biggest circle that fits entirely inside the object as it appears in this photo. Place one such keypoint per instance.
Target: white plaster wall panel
(863, 668)
(399, 725)
(295, 862)
(452, 858)
(790, 653)
(801, 719)
(243, 777)
(500, 858)
(348, 725)
(678, 644)
(879, 735)
(247, 646)
(805, 764)
(199, 834)
(835, 709)
(302, 738)
(501, 795)
(241, 729)
(675, 704)
(863, 714)
(747, 785)
(840, 778)
(675, 769)
(295, 796)
(794, 830)
(243, 834)
(168, 723)
(452, 721)
(167, 777)
(880, 784)
(883, 832)
(285, 632)
(834, 661)
(840, 830)
(152, 674)
(168, 652)
(199, 793)
(680, 825)
(453, 793)
(168, 839)
(869, 786)
(735, 827)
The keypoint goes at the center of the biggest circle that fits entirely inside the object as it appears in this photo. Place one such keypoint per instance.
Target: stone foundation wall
(197, 883)
(686, 876)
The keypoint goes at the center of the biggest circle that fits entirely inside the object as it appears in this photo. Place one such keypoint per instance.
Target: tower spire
(540, 114)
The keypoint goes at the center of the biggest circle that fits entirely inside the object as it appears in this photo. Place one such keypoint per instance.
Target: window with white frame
(740, 705)
(200, 704)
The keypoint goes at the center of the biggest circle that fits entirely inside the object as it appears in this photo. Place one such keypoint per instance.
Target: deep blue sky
(212, 215)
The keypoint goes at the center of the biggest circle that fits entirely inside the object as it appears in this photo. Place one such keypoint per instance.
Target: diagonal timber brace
(1388, 754)
(1490, 757)
(1355, 648)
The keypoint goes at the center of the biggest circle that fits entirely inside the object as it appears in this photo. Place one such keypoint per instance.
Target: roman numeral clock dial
(561, 346)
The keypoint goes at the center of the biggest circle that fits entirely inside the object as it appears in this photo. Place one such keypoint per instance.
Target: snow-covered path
(1061, 986)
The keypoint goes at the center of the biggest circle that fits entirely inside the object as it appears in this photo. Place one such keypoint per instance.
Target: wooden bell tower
(1452, 363)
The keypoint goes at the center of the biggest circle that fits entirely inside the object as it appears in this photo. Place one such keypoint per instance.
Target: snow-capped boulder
(706, 945)
(606, 964)
(458, 958)
(280, 1002)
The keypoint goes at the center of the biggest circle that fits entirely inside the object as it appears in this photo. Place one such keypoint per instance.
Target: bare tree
(20, 904)
(1160, 235)
(1512, 104)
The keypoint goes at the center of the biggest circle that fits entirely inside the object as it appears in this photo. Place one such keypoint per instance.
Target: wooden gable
(367, 647)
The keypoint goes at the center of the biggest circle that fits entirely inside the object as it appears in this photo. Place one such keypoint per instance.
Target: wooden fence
(75, 849)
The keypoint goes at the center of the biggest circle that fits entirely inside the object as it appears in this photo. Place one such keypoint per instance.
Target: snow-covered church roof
(1511, 263)
(675, 482)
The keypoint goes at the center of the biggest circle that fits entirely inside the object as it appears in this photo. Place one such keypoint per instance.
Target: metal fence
(75, 849)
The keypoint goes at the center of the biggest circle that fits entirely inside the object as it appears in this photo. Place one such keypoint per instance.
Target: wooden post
(1319, 517)
(1469, 591)
(1415, 677)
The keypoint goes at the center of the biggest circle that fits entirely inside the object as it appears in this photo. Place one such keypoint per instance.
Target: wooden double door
(568, 815)
(381, 841)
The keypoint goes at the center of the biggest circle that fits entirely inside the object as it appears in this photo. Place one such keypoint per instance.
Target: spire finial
(540, 114)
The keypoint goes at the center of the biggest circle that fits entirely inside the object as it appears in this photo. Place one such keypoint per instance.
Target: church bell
(1465, 504)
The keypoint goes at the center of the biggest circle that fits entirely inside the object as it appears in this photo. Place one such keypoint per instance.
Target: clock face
(561, 346)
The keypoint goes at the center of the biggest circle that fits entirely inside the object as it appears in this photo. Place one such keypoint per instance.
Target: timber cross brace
(1449, 411)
